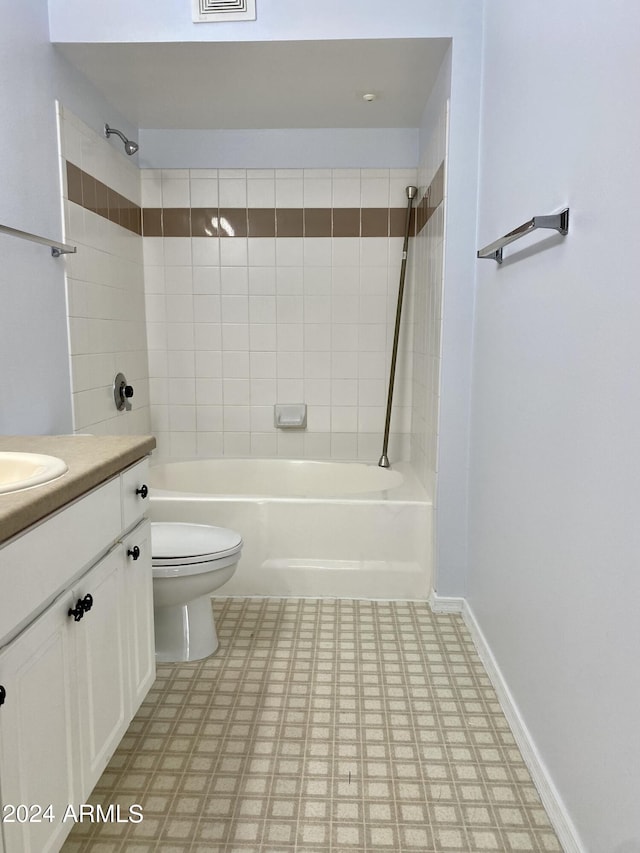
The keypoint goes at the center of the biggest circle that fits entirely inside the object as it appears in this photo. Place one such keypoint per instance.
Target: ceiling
(303, 84)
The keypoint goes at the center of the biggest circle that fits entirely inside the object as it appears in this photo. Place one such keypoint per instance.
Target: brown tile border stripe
(317, 221)
(374, 221)
(431, 198)
(152, 222)
(261, 221)
(275, 222)
(92, 194)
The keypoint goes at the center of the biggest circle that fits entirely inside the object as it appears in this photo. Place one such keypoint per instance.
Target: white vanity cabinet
(138, 584)
(39, 761)
(100, 646)
(74, 677)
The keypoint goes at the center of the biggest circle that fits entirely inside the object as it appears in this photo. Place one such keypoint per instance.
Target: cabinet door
(138, 590)
(103, 684)
(38, 732)
(135, 493)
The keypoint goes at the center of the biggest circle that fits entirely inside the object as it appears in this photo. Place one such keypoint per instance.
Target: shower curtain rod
(383, 462)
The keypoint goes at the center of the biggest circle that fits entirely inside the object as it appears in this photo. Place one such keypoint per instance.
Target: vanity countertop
(92, 459)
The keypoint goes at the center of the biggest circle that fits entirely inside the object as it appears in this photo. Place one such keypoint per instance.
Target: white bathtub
(341, 529)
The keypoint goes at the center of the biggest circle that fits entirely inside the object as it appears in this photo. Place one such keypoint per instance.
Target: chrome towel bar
(557, 221)
(57, 249)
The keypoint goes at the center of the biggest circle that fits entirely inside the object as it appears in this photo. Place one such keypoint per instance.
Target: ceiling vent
(217, 11)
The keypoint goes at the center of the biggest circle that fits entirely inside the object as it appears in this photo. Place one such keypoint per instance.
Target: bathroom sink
(24, 470)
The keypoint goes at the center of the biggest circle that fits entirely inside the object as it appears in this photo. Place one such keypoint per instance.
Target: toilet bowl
(189, 562)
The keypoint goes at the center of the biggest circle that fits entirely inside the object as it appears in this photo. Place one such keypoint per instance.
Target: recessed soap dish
(292, 416)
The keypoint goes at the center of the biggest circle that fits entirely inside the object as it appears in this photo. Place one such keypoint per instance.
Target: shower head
(412, 192)
(129, 146)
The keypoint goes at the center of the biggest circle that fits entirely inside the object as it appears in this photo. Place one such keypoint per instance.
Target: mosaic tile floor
(359, 726)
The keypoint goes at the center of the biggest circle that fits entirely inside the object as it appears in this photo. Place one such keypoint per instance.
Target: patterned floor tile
(323, 725)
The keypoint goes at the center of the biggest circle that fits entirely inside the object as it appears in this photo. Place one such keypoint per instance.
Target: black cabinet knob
(83, 605)
(3, 694)
(134, 552)
(143, 491)
(78, 611)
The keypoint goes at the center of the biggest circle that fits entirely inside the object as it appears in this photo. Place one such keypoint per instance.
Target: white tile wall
(426, 291)
(236, 325)
(105, 290)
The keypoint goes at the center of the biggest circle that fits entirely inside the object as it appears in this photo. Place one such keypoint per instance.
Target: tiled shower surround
(220, 293)
(105, 280)
(325, 726)
(274, 286)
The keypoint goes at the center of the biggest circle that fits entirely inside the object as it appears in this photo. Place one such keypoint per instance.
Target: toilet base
(185, 632)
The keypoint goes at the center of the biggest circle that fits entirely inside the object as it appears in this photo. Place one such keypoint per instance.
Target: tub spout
(383, 462)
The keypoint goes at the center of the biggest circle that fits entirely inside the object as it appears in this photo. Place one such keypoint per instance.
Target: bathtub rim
(410, 491)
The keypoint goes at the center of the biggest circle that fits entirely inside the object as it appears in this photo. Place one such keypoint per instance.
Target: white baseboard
(441, 604)
(551, 800)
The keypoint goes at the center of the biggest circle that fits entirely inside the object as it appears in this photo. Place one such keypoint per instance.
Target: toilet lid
(175, 543)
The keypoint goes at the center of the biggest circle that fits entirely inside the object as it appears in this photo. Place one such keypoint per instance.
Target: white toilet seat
(190, 549)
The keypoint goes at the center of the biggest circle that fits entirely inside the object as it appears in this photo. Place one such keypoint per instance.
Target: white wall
(555, 450)
(130, 21)
(35, 391)
(301, 148)
(35, 375)
(426, 446)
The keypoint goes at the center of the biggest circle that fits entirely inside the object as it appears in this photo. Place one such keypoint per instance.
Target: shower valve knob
(122, 393)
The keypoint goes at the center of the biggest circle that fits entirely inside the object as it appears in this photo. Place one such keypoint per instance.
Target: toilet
(189, 562)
